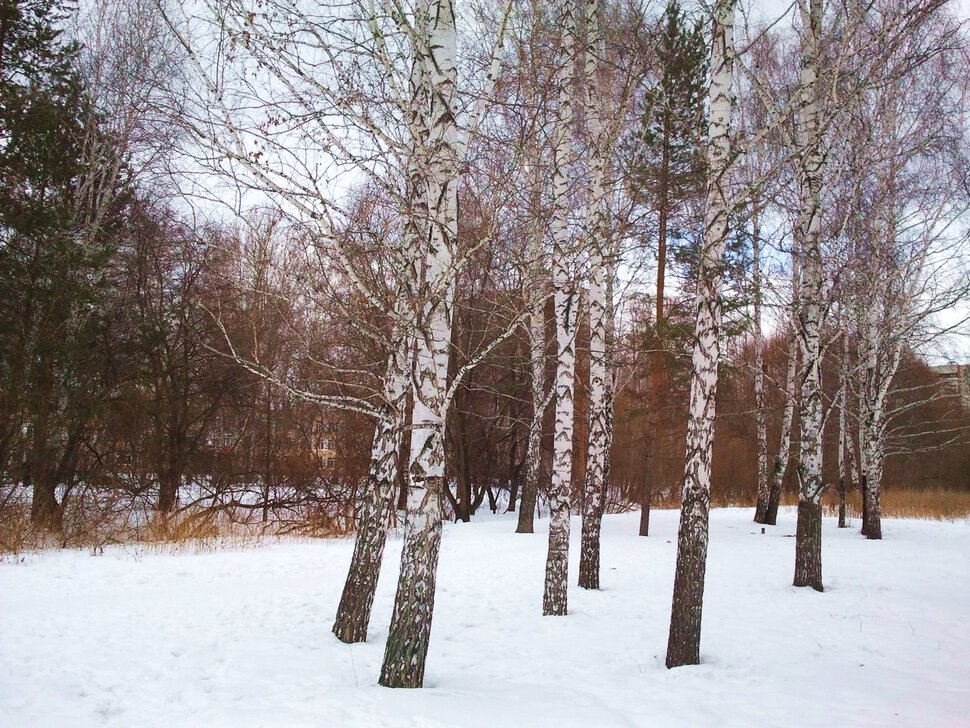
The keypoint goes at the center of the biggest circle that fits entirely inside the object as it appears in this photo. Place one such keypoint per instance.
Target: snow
(138, 637)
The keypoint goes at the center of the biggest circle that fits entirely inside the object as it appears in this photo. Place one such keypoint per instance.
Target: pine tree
(668, 171)
(53, 260)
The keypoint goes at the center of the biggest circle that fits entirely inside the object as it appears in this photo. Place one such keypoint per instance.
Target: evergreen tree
(667, 171)
(53, 256)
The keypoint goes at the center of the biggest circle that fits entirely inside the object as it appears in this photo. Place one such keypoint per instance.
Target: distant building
(955, 381)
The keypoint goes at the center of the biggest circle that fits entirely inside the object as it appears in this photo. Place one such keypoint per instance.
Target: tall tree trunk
(600, 314)
(843, 424)
(788, 414)
(683, 644)
(808, 537)
(761, 421)
(554, 601)
(658, 377)
(533, 471)
(536, 334)
(387, 481)
(410, 629)
(357, 599)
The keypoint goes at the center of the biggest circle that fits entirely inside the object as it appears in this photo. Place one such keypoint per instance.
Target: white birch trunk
(600, 315)
(808, 538)
(683, 645)
(357, 599)
(536, 333)
(761, 422)
(566, 299)
(787, 426)
(843, 398)
(410, 629)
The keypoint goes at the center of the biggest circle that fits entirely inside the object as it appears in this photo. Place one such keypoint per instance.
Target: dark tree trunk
(492, 503)
(659, 373)
(863, 485)
(527, 507)
(774, 496)
(45, 512)
(808, 545)
(645, 508)
(168, 492)
(842, 503)
(515, 475)
(513, 495)
(463, 500)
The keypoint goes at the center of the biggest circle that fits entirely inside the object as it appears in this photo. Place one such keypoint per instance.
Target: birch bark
(536, 333)
(808, 537)
(683, 645)
(761, 424)
(788, 414)
(410, 629)
(600, 314)
(357, 599)
(554, 599)
(843, 424)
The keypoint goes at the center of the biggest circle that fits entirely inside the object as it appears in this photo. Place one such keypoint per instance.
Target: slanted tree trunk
(410, 629)
(386, 486)
(565, 296)
(357, 599)
(808, 537)
(683, 644)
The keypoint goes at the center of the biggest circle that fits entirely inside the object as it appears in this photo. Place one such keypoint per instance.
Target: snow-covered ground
(242, 637)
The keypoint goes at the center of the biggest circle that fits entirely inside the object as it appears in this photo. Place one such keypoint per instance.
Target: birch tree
(600, 311)
(908, 250)
(837, 93)
(368, 92)
(683, 645)
(602, 134)
(536, 298)
(566, 300)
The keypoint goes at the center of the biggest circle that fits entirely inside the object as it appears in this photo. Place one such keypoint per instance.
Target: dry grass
(192, 530)
(15, 531)
(936, 504)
